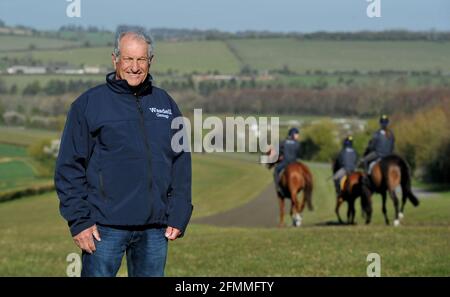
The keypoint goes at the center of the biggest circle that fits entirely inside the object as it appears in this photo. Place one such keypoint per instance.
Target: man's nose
(135, 66)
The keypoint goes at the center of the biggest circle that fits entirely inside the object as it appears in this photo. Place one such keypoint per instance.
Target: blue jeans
(145, 248)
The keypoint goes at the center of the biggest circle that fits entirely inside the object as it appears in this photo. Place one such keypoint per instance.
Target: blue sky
(233, 15)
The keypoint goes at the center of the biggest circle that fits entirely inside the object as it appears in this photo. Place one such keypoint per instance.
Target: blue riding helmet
(384, 120)
(348, 141)
(293, 131)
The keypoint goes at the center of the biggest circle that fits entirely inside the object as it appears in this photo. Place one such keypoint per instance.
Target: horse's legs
(404, 198)
(281, 205)
(395, 199)
(339, 202)
(386, 219)
(351, 207)
(295, 212)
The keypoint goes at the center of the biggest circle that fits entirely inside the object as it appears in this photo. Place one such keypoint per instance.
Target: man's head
(132, 56)
(348, 141)
(384, 122)
(293, 134)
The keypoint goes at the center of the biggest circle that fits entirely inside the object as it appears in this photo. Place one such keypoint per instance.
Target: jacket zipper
(102, 188)
(147, 146)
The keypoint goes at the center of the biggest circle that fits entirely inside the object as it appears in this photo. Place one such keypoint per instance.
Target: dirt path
(260, 212)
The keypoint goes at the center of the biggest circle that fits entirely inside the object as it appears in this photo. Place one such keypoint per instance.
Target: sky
(233, 15)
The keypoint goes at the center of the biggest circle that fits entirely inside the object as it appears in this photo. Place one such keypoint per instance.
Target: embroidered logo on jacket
(161, 112)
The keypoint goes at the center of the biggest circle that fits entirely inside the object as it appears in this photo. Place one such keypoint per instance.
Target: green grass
(260, 54)
(34, 240)
(301, 56)
(11, 42)
(222, 183)
(201, 56)
(24, 137)
(17, 170)
(9, 150)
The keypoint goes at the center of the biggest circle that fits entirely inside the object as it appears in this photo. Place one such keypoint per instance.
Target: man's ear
(114, 61)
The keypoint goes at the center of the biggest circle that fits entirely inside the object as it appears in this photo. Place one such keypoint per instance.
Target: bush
(320, 141)
(44, 152)
(423, 139)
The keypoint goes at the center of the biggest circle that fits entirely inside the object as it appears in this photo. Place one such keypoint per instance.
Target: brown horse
(387, 175)
(296, 178)
(352, 189)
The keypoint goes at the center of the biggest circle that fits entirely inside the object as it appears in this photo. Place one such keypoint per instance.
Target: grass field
(24, 137)
(201, 56)
(262, 54)
(418, 247)
(301, 56)
(17, 169)
(11, 42)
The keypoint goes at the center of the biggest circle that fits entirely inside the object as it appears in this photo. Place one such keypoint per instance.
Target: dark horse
(352, 189)
(390, 173)
(295, 178)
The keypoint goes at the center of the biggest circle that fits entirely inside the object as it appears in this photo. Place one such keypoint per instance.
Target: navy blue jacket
(347, 159)
(116, 165)
(382, 143)
(290, 150)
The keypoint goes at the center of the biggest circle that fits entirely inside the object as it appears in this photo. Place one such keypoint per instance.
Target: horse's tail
(406, 182)
(307, 191)
(366, 204)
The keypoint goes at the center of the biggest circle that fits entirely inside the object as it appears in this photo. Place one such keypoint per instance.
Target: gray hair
(136, 32)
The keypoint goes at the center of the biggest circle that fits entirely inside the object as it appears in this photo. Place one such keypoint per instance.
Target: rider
(289, 152)
(381, 145)
(345, 163)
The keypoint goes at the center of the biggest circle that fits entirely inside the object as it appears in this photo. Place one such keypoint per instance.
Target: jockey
(381, 145)
(289, 152)
(345, 163)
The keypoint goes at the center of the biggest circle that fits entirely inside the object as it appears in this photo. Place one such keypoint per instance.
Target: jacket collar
(122, 87)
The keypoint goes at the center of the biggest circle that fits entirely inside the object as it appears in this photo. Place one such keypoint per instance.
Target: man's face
(133, 64)
(296, 136)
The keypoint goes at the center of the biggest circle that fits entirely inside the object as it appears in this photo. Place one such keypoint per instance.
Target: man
(381, 145)
(122, 188)
(345, 163)
(289, 152)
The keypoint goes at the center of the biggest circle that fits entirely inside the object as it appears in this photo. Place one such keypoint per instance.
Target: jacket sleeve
(70, 172)
(180, 200)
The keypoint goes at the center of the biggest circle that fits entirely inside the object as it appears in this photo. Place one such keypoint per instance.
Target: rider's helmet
(292, 132)
(384, 121)
(348, 141)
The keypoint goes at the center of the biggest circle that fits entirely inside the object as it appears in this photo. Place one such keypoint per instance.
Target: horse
(295, 178)
(353, 187)
(387, 175)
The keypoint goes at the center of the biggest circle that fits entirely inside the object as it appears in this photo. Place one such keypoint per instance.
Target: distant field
(260, 54)
(21, 80)
(301, 56)
(10, 42)
(184, 57)
(24, 137)
(93, 38)
(17, 169)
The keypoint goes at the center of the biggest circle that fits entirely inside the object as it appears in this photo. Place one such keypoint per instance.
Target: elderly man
(123, 189)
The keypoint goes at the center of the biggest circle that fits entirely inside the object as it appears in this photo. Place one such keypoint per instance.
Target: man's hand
(84, 240)
(172, 233)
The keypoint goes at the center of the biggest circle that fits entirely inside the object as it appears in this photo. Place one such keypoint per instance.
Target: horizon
(232, 16)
